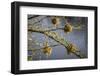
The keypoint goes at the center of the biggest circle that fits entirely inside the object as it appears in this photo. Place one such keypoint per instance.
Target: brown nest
(47, 51)
(68, 28)
(55, 21)
(71, 48)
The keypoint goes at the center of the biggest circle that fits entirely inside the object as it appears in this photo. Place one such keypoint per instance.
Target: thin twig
(43, 47)
(33, 17)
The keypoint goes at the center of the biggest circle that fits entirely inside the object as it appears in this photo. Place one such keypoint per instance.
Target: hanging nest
(47, 50)
(71, 48)
(55, 21)
(68, 28)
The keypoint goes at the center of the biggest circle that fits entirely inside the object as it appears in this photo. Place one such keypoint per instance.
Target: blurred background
(77, 36)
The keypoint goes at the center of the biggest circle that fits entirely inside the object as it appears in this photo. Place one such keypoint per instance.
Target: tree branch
(54, 36)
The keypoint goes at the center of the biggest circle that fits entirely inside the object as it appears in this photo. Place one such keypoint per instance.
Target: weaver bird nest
(47, 50)
(68, 28)
(55, 21)
(72, 48)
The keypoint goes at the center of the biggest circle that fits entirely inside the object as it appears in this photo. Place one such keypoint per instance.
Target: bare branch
(55, 37)
(33, 17)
